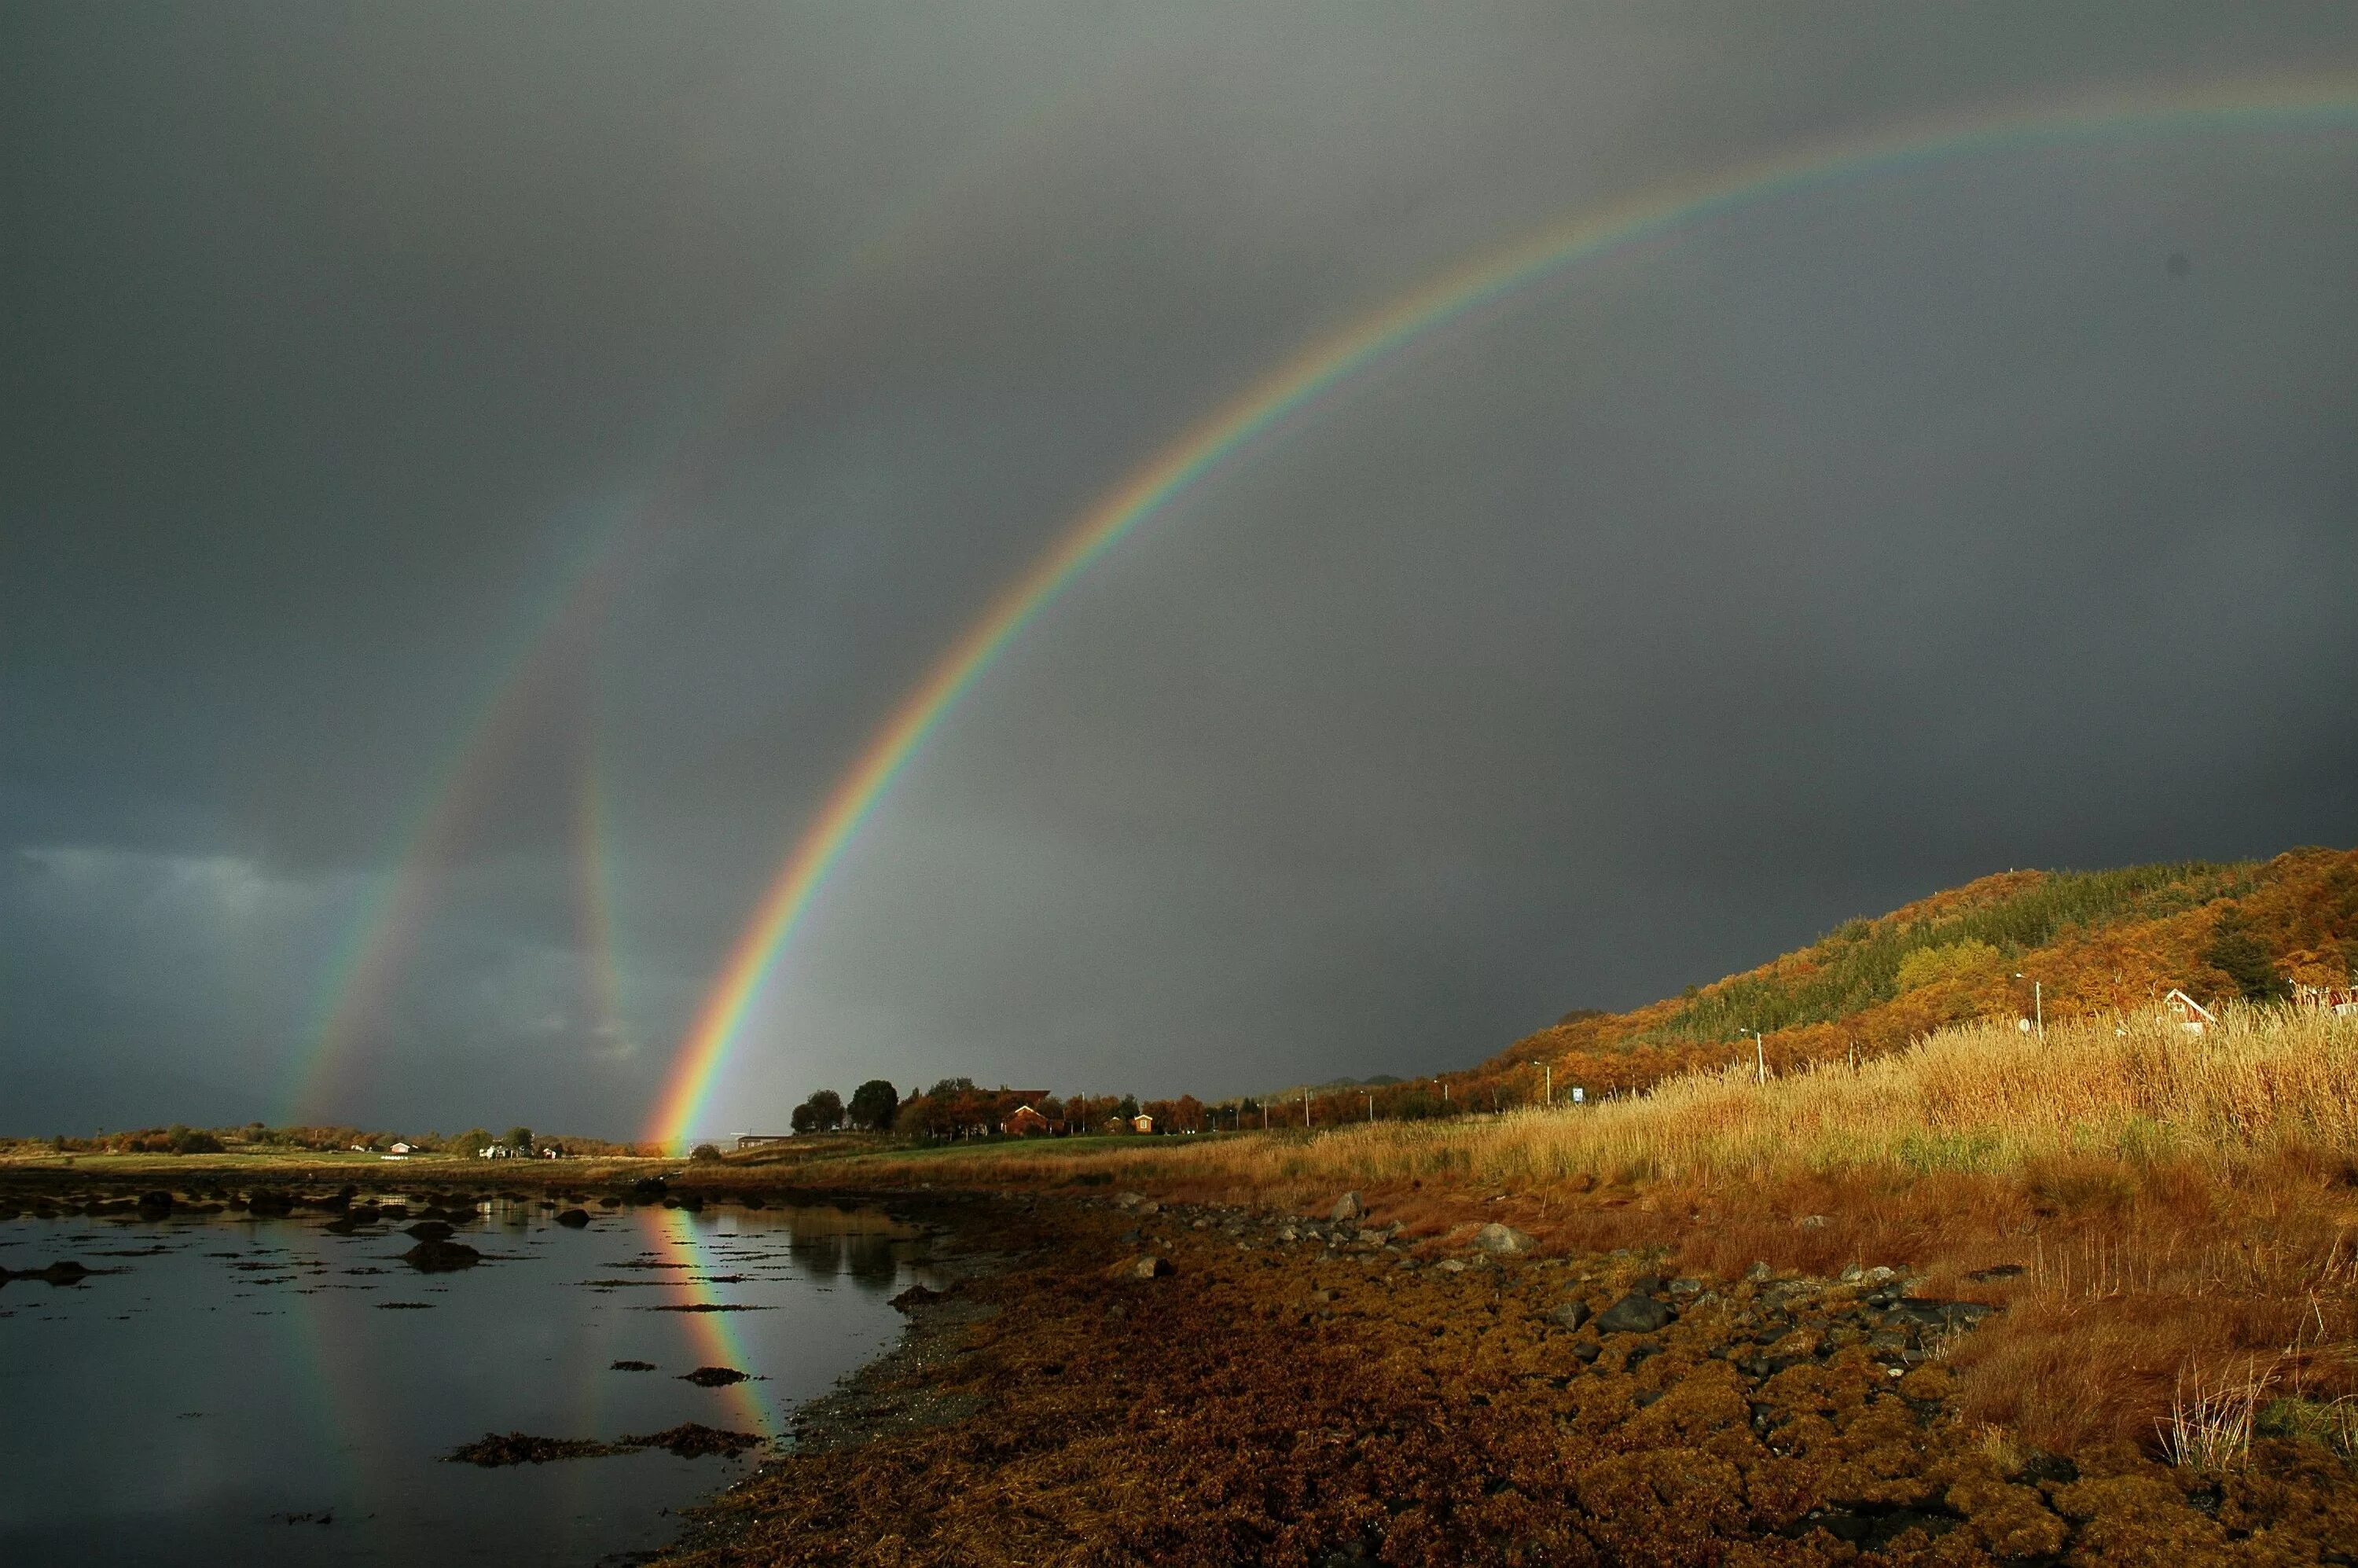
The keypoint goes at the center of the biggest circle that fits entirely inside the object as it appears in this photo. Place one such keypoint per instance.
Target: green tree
(873, 1106)
(2238, 952)
(519, 1138)
(823, 1112)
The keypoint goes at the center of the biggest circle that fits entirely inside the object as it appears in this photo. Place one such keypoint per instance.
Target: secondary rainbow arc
(2277, 105)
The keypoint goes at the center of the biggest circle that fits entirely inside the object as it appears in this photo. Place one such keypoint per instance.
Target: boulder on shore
(441, 1257)
(1633, 1314)
(1149, 1267)
(1571, 1315)
(573, 1218)
(1346, 1209)
(1496, 1238)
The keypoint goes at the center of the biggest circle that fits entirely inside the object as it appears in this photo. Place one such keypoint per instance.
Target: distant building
(399, 1148)
(2341, 1002)
(756, 1139)
(2190, 1014)
(1024, 1119)
(1141, 1123)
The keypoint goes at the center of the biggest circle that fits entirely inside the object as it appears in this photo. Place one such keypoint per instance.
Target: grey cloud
(1820, 555)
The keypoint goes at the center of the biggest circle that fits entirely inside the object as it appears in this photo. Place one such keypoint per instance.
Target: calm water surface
(249, 1391)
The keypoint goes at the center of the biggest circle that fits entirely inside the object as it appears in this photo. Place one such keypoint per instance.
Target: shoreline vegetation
(1183, 1348)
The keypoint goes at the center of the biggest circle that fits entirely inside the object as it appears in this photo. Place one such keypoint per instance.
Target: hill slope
(2094, 941)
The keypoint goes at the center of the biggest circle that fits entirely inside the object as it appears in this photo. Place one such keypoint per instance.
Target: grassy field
(2183, 1209)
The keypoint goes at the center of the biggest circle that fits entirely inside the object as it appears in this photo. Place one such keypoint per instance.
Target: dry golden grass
(1979, 1099)
(2176, 1205)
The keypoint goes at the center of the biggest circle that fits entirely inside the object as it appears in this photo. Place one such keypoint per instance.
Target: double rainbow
(2278, 105)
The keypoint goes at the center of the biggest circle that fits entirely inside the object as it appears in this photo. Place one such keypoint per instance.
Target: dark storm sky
(1824, 552)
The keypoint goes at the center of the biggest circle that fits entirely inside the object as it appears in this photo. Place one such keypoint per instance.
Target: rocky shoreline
(1147, 1381)
(1112, 1378)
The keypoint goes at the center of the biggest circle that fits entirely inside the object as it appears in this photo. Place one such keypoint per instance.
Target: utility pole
(1759, 1056)
(1547, 1082)
(2037, 1003)
(1305, 1111)
(1371, 1110)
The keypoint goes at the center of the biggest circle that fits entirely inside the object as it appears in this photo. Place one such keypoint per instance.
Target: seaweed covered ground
(1141, 1383)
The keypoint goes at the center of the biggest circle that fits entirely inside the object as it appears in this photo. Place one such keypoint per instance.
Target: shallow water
(248, 1391)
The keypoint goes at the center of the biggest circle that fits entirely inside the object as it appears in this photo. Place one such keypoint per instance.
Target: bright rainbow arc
(1319, 368)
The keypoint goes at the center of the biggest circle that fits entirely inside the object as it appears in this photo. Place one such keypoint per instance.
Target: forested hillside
(2092, 942)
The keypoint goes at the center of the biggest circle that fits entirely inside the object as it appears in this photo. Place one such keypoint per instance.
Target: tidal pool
(255, 1391)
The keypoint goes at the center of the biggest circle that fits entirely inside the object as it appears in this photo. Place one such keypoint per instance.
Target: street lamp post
(2037, 1003)
(1547, 1082)
(1759, 1056)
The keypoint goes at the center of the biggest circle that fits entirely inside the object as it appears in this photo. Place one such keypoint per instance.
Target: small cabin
(2340, 1001)
(1025, 1119)
(1141, 1123)
(2188, 1013)
(400, 1148)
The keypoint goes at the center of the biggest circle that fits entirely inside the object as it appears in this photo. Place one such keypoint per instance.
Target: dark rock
(916, 1296)
(1571, 1315)
(1150, 1267)
(1648, 1284)
(1347, 1208)
(1633, 1314)
(64, 1271)
(714, 1376)
(1997, 1271)
(631, 1367)
(441, 1257)
(522, 1448)
(156, 1205)
(1932, 1313)
(610, 1203)
(431, 1231)
(1586, 1351)
(647, 1189)
(270, 1203)
(2040, 1465)
(573, 1218)
(689, 1440)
